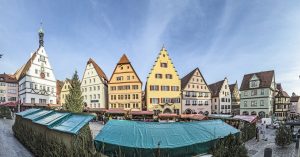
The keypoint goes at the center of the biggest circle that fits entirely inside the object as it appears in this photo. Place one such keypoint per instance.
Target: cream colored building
(94, 86)
(163, 86)
(196, 96)
(221, 97)
(64, 91)
(125, 87)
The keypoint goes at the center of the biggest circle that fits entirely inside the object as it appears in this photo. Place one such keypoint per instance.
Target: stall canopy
(250, 119)
(60, 121)
(174, 139)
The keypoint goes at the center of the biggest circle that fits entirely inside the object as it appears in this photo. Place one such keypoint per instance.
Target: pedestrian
(263, 128)
(257, 134)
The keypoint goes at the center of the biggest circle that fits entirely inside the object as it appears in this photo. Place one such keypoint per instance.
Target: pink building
(8, 88)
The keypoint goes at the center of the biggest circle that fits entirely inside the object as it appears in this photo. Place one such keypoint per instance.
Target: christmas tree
(74, 100)
(283, 136)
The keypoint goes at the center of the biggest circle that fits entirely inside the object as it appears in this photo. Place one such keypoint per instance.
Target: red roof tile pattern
(282, 94)
(265, 78)
(97, 68)
(23, 70)
(294, 99)
(8, 78)
(124, 60)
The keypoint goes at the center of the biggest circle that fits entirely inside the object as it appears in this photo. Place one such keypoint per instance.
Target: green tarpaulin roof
(60, 121)
(168, 135)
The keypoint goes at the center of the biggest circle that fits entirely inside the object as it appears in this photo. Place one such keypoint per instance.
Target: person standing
(257, 133)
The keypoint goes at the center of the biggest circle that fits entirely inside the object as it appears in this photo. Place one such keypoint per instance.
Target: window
(94, 80)
(90, 88)
(159, 76)
(168, 76)
(32, 100)
(254, 92)
(245, 103)
(245, 93)
(94, 87)
(261, 102)
(222, 106)
(163, 65)
(119, 78)
(262, 92)
(174, 88)
(135, 87)
(253, 104)
(165, 88)
(48, 74)
(128, 77)
(98, 87)
(154, 88)
(36, 71)
(154, 100)
(113, 88)
(98, 96)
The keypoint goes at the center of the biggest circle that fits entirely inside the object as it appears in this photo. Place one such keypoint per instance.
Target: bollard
(268, 152)
(297, 144)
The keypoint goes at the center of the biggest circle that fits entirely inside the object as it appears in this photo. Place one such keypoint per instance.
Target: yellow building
(163, 86)
(64, 91)
(125, 87)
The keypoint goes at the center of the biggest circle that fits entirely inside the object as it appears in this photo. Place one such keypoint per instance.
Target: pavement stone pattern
(256, 149)
(9, 145)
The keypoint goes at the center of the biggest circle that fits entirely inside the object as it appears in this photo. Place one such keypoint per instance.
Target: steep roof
(97, 68)
(185, 80)
(59, 85)
(282, 93)
(231, 87)
(215, 88)
(8, 78)
(124, 60)
(278, 86)
(265, 78)
(23, 70)
(294, 98)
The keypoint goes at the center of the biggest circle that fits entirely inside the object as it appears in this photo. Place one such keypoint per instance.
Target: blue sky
(222, 38)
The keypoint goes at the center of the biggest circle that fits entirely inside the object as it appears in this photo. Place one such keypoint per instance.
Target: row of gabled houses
(34, 84)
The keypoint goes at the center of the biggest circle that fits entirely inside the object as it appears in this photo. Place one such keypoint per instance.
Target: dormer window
(254, 84)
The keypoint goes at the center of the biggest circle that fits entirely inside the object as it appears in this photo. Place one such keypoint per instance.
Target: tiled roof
(123, 60)
(215, 88)
(265, 78)
(23, 70)
(295, 98)
(59, 85)
(185, 80)
(8, 78)
(278, 86)
(231, 87)
(98, 69)
(282, 93)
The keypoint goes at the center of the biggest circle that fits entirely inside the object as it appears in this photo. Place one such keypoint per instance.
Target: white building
(37, 83)
(221, 97)
(94, 86)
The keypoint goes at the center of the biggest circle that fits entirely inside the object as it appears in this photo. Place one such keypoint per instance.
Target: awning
(27, 104)
(167, 115)
(96, 109)
(9, 104)
(142, 112)
(193, 116)
(54, 105)
(250, 119)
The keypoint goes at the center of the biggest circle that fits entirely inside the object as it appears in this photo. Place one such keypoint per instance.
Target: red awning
(167, 115)
(120, 111)
(142, 112)
(193, 116)
(9, 104)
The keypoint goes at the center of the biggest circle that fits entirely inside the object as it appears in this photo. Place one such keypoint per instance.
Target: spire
(123, 60)
(41, 36)
(163, 48)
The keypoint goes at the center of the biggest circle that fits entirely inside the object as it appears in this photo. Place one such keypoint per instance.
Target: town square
(181, 78)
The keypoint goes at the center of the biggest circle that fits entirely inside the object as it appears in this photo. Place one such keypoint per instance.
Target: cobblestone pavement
(256, 149)
(95, 128)
(9, 145)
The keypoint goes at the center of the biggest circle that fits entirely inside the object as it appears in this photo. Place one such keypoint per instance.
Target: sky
(223, 38)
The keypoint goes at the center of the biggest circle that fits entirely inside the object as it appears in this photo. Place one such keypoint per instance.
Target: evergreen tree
(283, 136)
(230, 146)
(74, 100)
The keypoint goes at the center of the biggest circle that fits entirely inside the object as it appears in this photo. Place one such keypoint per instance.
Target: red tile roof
(98, 69)
(8, 78)
(123, 60)
(265, 78)
(295, 98)
(281, 94)
(23, 70)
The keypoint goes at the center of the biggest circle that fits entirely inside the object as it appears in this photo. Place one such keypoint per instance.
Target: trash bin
(268, 152)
